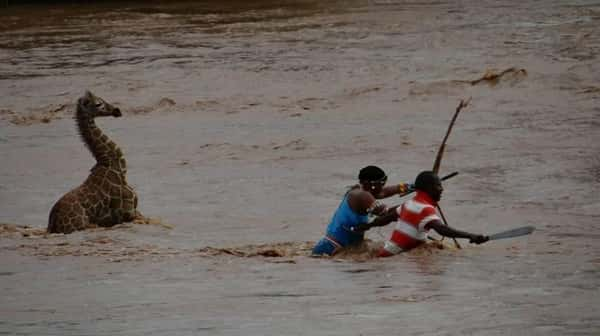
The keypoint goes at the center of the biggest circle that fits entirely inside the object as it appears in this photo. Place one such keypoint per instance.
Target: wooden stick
(438, 159)
(446, 223)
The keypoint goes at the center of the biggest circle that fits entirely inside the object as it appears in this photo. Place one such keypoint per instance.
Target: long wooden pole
(440, 153)
(438, 158)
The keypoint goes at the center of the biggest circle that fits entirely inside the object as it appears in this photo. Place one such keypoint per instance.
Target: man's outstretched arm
(450, 232)
(396, 189)
(390, 215)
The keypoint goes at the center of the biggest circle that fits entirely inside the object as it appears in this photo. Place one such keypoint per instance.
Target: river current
(244, 122)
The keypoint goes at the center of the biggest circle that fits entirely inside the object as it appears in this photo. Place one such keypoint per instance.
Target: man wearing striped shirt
(417, 216)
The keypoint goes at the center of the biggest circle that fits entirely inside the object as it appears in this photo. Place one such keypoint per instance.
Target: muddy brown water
(243, 124)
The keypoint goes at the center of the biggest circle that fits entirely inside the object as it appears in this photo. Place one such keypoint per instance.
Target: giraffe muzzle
(116, 113)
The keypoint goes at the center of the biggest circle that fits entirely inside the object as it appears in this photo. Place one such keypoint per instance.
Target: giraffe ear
(86, 98)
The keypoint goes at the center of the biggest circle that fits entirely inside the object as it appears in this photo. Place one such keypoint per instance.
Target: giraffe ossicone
(104, 199)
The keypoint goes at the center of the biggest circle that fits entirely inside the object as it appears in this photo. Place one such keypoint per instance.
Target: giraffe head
(95, 106)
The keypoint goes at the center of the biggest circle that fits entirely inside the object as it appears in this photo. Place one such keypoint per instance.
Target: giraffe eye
(98, 104)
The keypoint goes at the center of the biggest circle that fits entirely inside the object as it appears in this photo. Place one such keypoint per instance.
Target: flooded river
(244, 123)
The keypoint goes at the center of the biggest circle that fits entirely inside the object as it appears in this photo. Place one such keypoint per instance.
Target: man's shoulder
(360, 200)
(416, 206)
(360, 194)
(428, 210)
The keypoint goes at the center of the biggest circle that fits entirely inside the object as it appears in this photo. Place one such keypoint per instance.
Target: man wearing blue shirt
(351, 219)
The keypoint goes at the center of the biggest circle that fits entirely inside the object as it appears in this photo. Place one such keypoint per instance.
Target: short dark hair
(425, 180)
(371, 173)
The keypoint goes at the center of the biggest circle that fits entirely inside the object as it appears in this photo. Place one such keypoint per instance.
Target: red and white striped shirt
(410, 230)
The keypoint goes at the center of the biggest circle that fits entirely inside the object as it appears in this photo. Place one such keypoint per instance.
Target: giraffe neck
(104, 150)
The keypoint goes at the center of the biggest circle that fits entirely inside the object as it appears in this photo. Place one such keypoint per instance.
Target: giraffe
(104, 199)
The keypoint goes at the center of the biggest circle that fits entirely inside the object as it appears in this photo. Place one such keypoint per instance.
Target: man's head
(372, 179)
(428, 182)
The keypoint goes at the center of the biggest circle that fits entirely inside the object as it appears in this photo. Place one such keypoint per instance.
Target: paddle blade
(525, 230)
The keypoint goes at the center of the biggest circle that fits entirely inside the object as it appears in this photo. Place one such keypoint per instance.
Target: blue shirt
(342, 223)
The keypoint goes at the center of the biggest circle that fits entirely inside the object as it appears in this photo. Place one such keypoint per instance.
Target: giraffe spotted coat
(104, 199)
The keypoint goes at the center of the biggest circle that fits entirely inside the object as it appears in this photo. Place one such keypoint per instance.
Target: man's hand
(478, 239)
(377, 208)
(405, 188)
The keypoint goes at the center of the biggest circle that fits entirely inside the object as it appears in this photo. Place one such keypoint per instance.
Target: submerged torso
(343, 222)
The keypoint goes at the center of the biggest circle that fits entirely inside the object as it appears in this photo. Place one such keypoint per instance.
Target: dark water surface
(243, 124)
